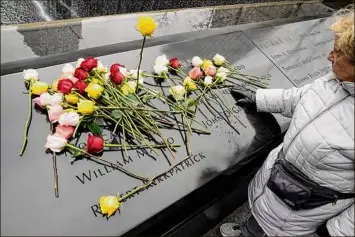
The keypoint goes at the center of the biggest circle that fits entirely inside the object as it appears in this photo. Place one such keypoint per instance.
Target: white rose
(160, 69)
(162, 60)
(55, 143)
(124, 71)
(222, 69)
(56, 99)
(178, 92)
(101, 68)
(69, 119)
(196, 61)
(68, 68)
(133, 73)
(43, 100)
(221, 76)
(219, 59)
(80, 60)
(208, 81)
(132, 85)
(30, 74)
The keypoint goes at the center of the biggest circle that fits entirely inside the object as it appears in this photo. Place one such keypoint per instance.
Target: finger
(242, 103)
(237, 94)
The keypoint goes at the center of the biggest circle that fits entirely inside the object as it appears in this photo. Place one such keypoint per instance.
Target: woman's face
(343, 68)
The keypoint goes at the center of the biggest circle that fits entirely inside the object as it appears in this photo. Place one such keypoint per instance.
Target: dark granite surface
(54, 37)
(27, 181)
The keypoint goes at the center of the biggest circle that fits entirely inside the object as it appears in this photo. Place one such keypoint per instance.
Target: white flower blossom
(178, 92)
(162, 60)
(68, 69)
(219, 59)
(196, 61)
(30, 74)
(221, 76)
(208, 81)
(222, 69)
(160, 69)
(55, 143)
(69, 119)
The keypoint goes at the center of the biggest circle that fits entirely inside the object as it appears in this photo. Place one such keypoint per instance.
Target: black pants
(252, 228)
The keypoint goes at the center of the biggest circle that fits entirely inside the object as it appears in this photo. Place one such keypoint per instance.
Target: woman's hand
(245, 98)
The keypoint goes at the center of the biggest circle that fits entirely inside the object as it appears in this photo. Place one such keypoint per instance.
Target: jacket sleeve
(280, 100)
(342, 224)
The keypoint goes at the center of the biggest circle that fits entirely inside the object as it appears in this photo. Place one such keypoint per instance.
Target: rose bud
(211, 71)
(94, 144)
(81, 74)
(89, 63)
(117, 78)
(64, 131)
(174, 63)
(195, 73)
(65, 86)
(115, 68)
(81, 86)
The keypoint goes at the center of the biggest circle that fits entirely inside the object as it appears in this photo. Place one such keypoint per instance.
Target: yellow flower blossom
(39, 87)
(96, 81)
(86, 106)
(109, 205)
(206, 63)
(128, 88)
(94, 90)
(146, 25)
(72, 99)
(189, 84)
(55, 85)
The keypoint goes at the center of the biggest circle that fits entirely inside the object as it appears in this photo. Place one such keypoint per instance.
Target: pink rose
(211, 71)
(73, 79)
(195, 73)
(43, 100)
(54, 113)
(64, 131)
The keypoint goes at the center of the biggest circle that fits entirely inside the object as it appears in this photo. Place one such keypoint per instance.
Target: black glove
(245, 98)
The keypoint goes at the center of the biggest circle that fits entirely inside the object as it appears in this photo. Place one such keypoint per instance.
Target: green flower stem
(140, 61)
(77, 126)
(29, 119)
(149, 182)
(143, 109)
(78, 94)
(248, 81)
(55, 173)
(140, 146)
(92, 157)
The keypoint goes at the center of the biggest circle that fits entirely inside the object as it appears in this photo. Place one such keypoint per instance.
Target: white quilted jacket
(320, 143)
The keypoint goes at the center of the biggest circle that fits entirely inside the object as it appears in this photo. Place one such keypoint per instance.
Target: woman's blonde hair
(344, 31)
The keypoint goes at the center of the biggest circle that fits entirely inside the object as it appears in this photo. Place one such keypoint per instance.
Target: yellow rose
(127, 89)
(94, 90)
(146, 25)
(39, 87)
(109, 205)
(189, 84)
(206, 63)
(86, 106)
(72, 99)
(96, 81)
(55, 85)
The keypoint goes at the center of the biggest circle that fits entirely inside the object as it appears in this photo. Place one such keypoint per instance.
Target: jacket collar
(347, 85)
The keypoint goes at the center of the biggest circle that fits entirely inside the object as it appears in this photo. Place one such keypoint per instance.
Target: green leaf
(191, 102)
(117, 114)
(94, 128)
(147, 98)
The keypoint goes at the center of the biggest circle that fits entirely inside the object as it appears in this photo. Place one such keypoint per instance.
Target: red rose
(115, 68)
(94, 144)
(117, 78)
(174, 63)
(81, 74)
(65, 86)
(89, 63)
(81, 86)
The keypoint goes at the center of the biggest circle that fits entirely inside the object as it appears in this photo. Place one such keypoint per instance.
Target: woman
(308, 181)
